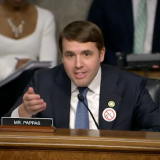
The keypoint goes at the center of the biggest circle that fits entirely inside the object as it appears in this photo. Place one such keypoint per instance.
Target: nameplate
(45, 122)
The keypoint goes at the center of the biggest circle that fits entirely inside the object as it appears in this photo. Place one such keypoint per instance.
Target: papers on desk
(26, 66)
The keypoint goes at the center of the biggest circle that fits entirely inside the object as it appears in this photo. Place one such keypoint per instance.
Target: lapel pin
(109, 114)
(111, 103)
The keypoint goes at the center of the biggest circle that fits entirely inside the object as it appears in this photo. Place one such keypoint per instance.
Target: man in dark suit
(117, 99)
(127, 25)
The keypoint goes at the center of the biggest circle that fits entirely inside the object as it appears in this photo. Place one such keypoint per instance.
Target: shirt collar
(94, 86)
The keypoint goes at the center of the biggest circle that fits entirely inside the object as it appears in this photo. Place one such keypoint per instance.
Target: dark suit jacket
(133, 104)
(115, 19)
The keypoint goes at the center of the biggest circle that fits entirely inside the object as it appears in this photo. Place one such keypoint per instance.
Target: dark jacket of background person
(115, 19)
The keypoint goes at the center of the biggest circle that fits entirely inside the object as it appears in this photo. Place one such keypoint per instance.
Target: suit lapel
(156, 34)
(107, 94)
(61, 102)
(128, 24)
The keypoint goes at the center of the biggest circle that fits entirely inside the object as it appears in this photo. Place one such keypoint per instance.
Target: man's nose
(79, 62)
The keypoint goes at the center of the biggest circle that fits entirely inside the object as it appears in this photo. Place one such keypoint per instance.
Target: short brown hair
(82, 31)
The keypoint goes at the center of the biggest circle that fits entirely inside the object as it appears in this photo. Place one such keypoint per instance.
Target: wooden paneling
(149, 74)
(74, 155)
(68, 144)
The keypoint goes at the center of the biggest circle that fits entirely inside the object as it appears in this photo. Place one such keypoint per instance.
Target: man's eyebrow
(68, 52)
(87, 50)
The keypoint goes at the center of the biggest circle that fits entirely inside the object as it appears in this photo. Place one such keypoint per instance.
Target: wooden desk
(65, 144)
(149, 74)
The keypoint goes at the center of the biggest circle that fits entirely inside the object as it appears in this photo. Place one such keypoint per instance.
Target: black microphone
(81, 98)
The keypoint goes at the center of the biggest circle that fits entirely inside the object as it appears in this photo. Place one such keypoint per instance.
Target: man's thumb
(30, 90)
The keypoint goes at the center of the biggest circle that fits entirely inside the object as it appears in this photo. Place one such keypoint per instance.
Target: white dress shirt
(151, 12)
(40, 45)
(92, 98)
(93, 102)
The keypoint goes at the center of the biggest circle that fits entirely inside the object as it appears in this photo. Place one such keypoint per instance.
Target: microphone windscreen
(80, 97)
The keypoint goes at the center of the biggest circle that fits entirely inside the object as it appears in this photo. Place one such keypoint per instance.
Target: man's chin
(81, 84)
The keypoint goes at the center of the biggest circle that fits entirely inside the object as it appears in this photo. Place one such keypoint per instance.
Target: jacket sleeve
(97, 15)
(48, 50)
(33, 83)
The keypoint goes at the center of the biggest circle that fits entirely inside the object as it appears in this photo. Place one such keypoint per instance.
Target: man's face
(81, 61)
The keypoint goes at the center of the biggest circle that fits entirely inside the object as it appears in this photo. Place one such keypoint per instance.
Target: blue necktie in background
(82, 119)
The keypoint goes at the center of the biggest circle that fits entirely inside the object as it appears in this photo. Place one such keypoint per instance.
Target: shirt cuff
(15, 113)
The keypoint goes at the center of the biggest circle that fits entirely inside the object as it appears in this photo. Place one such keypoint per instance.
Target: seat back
(153, 86)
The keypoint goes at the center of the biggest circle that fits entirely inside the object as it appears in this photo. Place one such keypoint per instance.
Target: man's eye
(86, 54)
(70, 55)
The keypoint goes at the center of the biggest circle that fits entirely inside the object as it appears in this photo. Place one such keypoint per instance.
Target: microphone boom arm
(81, 98)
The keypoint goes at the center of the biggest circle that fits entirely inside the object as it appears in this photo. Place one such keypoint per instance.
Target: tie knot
(83, 90)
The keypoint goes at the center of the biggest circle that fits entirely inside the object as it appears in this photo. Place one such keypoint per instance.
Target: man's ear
(62, 57)
(102, 54)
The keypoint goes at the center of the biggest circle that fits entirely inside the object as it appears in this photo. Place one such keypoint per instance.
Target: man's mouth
(80, 75)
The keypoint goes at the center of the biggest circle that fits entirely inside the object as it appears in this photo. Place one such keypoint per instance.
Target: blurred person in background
(128, 26)
(27, 32)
